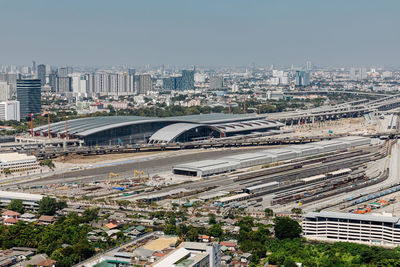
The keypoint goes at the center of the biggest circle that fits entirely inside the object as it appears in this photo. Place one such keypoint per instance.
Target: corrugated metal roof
(169, 133)
(87, 126)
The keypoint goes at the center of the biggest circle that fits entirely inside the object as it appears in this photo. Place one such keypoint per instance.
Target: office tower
(4, 91)
(169, 83)
(302, 78)
(10, 110)
(29, 96)
(145, 84)
(216, 82)
(309, 66)
(41, 74)
(187, 80)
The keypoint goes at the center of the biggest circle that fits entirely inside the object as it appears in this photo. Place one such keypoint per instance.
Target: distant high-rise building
(63, 85)
(235, 88)
(33, 67)
(187, 80)
(10, 110)
(353, 74)
(145, 84)
(63, 72)
(41, 73)
(79, 84)
(309, 66)
(302, 78)
(216, 82)
(363, 73)
(29, 96)
(4, 91)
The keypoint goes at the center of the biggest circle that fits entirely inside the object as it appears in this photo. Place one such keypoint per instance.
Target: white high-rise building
(79, 84)
(235, 88)
(9, 110)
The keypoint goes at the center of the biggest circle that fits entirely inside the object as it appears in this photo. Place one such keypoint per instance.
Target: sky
(200, 32)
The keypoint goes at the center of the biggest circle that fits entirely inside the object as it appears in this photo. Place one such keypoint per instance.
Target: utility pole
(66, 127)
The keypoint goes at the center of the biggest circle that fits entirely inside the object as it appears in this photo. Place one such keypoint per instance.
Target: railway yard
(337, 173)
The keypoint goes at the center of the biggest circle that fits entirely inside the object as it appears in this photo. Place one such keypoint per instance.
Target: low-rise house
(46, 220)
(10, 214)
(28, 217)
(231, 246)
(39, 260)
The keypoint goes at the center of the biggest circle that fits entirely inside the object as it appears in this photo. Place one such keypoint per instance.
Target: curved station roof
(165, 130)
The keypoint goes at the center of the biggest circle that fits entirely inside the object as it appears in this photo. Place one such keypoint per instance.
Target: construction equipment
(140, 176)
(114, 178)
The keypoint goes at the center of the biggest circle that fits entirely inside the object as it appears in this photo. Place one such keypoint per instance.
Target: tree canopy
(16, 205)
(286, 227)
(49, 206)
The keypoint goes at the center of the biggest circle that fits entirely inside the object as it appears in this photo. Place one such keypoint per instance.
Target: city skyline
(182, 33)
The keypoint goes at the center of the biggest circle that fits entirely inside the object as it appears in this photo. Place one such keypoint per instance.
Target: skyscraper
(145, 84)
(33, 67)
(187, 80)
(309, 66)
(29, 96)
(302, 78)
(41, 74)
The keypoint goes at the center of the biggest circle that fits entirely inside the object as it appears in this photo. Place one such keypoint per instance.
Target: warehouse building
(359, 228)
(16, 162)
(250, 159)
(245, 160)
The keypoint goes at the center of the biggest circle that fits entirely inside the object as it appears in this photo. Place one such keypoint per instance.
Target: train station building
(123, 130)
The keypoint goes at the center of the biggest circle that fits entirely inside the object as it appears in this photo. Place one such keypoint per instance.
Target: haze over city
(203, 33)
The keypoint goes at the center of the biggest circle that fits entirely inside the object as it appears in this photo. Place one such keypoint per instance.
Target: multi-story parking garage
(114, 130)
(336, 226)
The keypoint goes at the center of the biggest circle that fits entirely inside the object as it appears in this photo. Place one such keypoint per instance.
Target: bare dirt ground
(80, 159)
(161, 243)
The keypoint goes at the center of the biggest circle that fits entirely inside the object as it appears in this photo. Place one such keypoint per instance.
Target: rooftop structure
(244, 160)
(28, 200)
(17, 162)
(376, 230)
(112, 130)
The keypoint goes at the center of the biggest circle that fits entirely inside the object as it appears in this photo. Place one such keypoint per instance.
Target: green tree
(6, 171)
(212, 218)
(47, 162)
(16, 205)
(286, 227)
(269, 212)
(289, 263)
(216, 231)
(297, 210)
(49, 206)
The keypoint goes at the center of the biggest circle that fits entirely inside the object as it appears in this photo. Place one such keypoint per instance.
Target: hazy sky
(200, 32)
